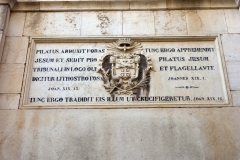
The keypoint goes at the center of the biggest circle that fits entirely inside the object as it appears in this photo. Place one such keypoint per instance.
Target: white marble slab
(185, 72)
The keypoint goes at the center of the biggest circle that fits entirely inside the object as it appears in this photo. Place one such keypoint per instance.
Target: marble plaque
(125, 72)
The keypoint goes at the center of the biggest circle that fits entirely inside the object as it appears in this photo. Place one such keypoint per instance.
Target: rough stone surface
(233, 20)
(15, 50)
(206, 22)
(176, 4)
(35, 6)
(3, 16)
(60, 5)
(16, 24)
(223, 3)
(8, 2)
(11, 76)
(231, 47)
(165, 22)
(138, 23)
(9, 101)
(233, 69)
(121, 134)
(148, 4)
(52, 24)
(106, 5)
(2, 40)
(101, 23)
(237, 2)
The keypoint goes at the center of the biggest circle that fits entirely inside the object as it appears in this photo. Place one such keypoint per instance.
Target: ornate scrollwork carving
(125, 69)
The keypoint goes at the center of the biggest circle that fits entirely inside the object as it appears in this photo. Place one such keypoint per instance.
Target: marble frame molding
(35, 40)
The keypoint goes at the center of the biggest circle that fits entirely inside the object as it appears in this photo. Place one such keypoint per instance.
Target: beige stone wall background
(157, 133)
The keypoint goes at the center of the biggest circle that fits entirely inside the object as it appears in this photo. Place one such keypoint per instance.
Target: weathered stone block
(16, 24)
(101, 23)
(138, 23)
(170, 22)
(11, 76)
(233, 20)
(52, 24)
(237, 2)
(233, 69)
(206, 22)
(9, 101)
(2, 40)
(231, 47)
(15, 50)
(8, 2)
(4, 15)
(235, 97)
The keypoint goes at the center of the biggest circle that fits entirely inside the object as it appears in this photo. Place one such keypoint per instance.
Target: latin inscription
(184, 73)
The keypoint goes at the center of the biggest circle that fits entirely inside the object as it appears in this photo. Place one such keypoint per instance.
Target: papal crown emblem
(124, 41)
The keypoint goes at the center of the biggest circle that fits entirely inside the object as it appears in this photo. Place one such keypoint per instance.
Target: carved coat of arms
(125, 69)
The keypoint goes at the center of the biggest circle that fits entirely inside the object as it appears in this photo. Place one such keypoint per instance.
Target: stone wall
(154, 133)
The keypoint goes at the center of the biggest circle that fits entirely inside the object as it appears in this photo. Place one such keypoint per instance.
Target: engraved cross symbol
(125, 73)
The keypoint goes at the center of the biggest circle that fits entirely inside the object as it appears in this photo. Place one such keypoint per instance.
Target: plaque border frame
(108, 39)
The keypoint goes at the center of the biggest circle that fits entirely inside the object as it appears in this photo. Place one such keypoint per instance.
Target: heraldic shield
(125, 69)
